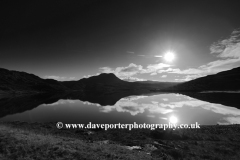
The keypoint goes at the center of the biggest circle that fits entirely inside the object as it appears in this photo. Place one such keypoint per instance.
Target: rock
(133, 147)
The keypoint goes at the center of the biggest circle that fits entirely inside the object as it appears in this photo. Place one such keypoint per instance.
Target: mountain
(155, 85)
(16, 82)
(105, 82)
(110, 83)
(21, 82)
(222, 81)
(105, 78)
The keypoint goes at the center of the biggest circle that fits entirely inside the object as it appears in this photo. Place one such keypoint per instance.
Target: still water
(149, 108)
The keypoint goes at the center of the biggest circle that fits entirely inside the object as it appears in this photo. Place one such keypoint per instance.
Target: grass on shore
(38, 141)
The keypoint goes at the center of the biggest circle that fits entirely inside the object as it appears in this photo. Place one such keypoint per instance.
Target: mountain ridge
(107, 83)
(16, 81)
(223, 81)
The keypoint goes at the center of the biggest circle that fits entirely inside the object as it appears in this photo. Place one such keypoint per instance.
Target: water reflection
(135, 106)
(124, 107)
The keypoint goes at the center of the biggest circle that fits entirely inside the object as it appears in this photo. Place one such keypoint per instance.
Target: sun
(173, 119)
(169, 56)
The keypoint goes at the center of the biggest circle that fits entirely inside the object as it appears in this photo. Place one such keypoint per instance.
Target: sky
(69, 40)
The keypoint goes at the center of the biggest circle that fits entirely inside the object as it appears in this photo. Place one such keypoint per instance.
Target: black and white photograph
(119, 80)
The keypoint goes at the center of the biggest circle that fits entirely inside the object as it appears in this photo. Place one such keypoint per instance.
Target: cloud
(232, 120)
(164, 118)
(124, 106)
(89, 103)
(188, 74)
(132, 79)
(187, 78)
(164, 76)
(217, 108)
(133, 69)
(61, 102)
(187, 71)
(153, 74)
(220, 65)
(106, 70)
(158, 56)
(165, 99)
(227, 48)
(133, 98)
(87, 76)
(134, 106)
(125, 73)
(151, 116)
(131, 52)
(161, 104)
(227, 51)
(59, 78)
(130, 70)
(155, 67)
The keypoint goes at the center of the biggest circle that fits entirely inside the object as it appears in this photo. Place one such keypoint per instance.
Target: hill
(155, 85)
(22, 82)
(109, 83)
(101, 83)
(16, 82)
(222, 81)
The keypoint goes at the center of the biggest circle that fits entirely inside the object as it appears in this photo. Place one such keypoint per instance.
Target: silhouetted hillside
(155, 85)
(21, 82)
(101, 83)
(105, 78)
(109, 83)
(106, 83)
(222, 81)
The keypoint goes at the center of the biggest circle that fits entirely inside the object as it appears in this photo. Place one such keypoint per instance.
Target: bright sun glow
(169, 56)
(173, 119)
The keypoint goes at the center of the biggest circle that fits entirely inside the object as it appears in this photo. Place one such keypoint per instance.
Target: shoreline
(209, 142)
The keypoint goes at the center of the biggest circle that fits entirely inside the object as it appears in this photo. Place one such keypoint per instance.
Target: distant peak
(103, 77)
(107, 74)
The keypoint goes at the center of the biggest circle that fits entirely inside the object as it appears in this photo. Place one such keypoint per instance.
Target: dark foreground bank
(28, 141)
